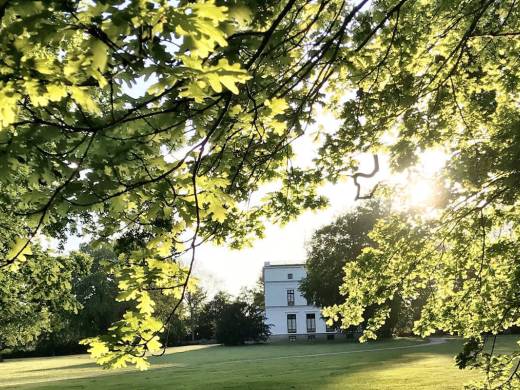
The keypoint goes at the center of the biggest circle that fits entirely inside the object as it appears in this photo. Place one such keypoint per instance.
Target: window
(311, 322)
(291, 323)
(290, 297)
(292, 338)
(329, 328)
(311, 337)
(289, 276)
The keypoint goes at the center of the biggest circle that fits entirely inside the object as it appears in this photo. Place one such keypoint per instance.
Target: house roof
(284, 265)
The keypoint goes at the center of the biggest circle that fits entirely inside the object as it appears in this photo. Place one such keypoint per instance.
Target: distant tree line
(82, 303)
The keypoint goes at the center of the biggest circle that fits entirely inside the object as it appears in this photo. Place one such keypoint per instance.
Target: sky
(221, 268)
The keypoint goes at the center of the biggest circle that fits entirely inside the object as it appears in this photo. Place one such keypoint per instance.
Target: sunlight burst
(419, 187)
(421, 193)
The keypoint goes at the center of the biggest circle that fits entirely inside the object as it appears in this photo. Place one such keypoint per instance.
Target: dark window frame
(289, 276)
(310, 321)
(291, 320)
(290, 297)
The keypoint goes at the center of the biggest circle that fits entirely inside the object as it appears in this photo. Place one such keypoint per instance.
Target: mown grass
(395, 364)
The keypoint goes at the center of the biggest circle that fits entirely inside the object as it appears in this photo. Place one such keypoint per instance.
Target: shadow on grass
(235, 354)
(71, 366)
(258, 367)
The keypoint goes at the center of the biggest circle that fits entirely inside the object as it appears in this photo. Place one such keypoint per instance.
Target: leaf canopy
(231, 86)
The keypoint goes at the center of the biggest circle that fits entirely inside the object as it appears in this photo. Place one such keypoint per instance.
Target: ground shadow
(237, 368)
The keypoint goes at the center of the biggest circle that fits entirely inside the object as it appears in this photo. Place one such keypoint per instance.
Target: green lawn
(378, 365)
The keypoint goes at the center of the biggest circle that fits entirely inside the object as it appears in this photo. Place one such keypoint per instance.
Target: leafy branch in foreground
(165, 169)
(442, 75)
(230, 86)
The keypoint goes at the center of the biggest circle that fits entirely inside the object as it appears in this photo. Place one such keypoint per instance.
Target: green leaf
(83, 98)
(99, 55)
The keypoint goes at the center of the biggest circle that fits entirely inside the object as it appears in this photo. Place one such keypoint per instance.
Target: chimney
(267, 263)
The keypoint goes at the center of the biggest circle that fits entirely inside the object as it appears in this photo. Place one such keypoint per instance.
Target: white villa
(290, 315)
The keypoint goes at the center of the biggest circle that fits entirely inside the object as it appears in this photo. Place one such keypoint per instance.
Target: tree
(233, 86)
(96, 292)
(35, 293)
(239, 322)
(442, 75)
(243, 319)
(177, 330)
(254, 295)
(174, 162)
(194, 302)
(210, 314)
(331, 247)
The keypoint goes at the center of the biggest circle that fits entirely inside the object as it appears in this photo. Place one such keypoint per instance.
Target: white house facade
(287, 311)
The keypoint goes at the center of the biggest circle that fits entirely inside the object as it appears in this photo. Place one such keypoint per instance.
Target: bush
(240, 322)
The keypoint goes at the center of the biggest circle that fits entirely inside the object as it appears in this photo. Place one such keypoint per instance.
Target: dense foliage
(443, 75)
(207, 324)
(35, 294)
(164, 170)
(195, 305)
(96, 291)
(331, 247)
(233, 85)
(239, 322)
(82, 302)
